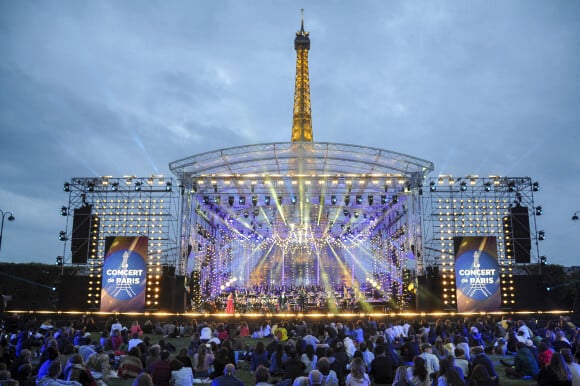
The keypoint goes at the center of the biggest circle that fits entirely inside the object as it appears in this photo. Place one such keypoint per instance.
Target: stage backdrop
(477, 274)
(124, 274)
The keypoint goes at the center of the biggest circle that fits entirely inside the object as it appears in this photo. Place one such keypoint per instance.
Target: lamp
(535, 186)
(59, 261)
(254, 200)
(541, 235)
(242, 200)
(267, 200)
(371, 199)
(62, 236)
(539, 210)
(66, 187)
(137, 186)
(333, 199)
(10, 218)
(395, 199)
(63, 211)
(168, 186)
(487, 186)
(463, 186)
(432, 186)
(575, 216)
(231, 200)
(346, 200)
(115, 186)
(359, 200)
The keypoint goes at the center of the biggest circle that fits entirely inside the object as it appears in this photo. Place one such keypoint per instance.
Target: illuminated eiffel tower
(302, 117)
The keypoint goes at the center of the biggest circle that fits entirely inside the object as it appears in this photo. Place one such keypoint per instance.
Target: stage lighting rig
(66, 187)
(539, 210)
(63, 211)
(535, 186)
(62, 236)
(575, 216)
(541, 235)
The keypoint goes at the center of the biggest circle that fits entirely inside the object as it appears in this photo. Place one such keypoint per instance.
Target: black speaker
(520, 224)
(530, 294)
(172, 294)
(81, 230)
(73, 294)
(429, 294)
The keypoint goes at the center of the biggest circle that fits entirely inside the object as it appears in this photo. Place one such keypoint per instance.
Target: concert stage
(356, 227)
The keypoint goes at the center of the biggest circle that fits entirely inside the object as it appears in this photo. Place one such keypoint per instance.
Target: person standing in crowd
(136, 329)
(228, 378)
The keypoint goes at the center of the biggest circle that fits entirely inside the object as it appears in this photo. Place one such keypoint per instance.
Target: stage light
(254, 200)
(359, 200)
(293, 200)
(59, 261)
(346, 200)
(370, 199)
(432, 186)
(333, 199)
(279, 200)
(345, 212)
(168, 186)
(137, 186)
(487, 186)
(267, 200)
(383, 199)
(543, 260)
(63, 211)
(511, 186)
(217, 200)
(62, 236)
(356, 214)
(246, 214)
(575, 216)
(463, 186)
(541, 235)
(395, 199)
(206, 200)
(536, 186)
(242, 200)
(66, 187)
(115, 186)
(231, 200)
(90, 187)
(539, 210)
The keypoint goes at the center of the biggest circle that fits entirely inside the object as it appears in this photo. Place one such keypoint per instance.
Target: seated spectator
(329, 377)
(98, 364)
(131, 364)
(180, 375)
(79, 373)
(556, 373)
(261, 376)
(480, 377)
(525, 365)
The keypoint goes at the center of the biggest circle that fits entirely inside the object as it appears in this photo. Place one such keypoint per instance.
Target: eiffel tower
(478, 285)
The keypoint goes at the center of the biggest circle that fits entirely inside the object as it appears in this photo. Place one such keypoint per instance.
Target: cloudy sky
(116, 88)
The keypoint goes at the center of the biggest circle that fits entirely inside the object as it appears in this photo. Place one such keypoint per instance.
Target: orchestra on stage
(291, 299)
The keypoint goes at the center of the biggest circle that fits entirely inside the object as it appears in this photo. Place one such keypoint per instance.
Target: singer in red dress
(230, 304)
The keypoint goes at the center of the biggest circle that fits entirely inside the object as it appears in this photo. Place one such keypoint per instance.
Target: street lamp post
(10, 218)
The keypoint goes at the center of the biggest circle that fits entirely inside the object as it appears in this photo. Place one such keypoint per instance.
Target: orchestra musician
(282, 301)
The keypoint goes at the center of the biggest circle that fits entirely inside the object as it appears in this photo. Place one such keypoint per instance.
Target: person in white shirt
(431, 360)
(134, 341)
(116, 326)
(180, 375)
(205, 334)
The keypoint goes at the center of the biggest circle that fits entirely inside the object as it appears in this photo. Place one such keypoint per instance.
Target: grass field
(248, 378)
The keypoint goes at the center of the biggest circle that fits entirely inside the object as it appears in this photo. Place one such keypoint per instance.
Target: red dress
(230, 304)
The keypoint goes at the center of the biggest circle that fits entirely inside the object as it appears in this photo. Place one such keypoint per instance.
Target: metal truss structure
(128, 206)
(301, 213)
(475, 206)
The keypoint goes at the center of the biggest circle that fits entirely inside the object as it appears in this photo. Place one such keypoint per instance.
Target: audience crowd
(464, 351)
